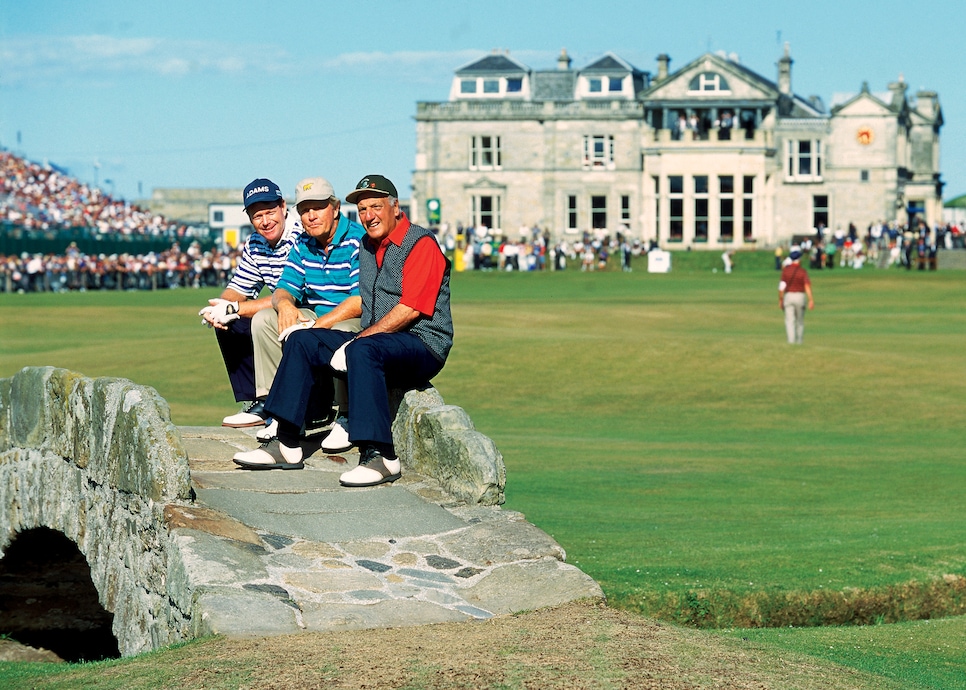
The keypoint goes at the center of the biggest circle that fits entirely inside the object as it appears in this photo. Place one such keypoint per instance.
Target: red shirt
(795, 278)
(423, 271)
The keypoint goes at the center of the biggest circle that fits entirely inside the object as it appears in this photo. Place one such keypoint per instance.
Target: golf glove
(221, 312)
(338, 357)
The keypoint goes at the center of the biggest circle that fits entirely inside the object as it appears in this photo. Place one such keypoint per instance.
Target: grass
(659, 427)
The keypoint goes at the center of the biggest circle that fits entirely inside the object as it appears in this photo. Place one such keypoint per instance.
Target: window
(726, 208)
(676, 208)
(598, 212)
(491, 86)
(571, 212)
(864, 175)
(625, 209)
(218, 216)
(819, 210)
(599, 152)
(657, 205)
(615, 84)
(804, 160)
(595, 85)
(485, 153)
(748, 208)
(486, 211)
(709, 82)
(514, 84)
(700, 208)
(468, 86)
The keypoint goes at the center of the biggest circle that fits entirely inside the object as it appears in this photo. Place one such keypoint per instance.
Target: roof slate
(553, 85)
(493, 63)
(607, 64)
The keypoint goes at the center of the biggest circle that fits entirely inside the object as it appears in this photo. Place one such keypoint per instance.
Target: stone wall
(98, 459)
(440, 441)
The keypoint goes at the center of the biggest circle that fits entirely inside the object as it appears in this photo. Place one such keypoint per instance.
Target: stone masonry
(181, 543)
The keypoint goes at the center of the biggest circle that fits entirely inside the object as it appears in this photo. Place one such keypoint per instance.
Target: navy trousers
(375, 364)
(239, 354)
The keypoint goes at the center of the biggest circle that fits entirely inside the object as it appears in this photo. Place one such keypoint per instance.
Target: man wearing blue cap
(262, 260)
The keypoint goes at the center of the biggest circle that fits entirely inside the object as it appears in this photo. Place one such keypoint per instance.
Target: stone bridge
(99, 461)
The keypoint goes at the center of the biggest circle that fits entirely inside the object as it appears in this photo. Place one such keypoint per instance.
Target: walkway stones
(378, 557)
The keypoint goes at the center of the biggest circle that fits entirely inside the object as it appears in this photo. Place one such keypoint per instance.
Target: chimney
(663, 61)
(563, 62)
(927, 103)
(785, 72)
(898, 89)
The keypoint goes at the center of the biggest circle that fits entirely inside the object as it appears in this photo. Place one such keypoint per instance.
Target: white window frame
(598, 152)
(715, 81)
(480, 146)
(724, 196)
(795, 158)
(495, 212)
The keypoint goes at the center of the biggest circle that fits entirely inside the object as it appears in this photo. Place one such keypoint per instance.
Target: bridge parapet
(97, 459)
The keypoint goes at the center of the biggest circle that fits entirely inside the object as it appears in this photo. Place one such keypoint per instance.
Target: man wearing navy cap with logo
(262, 260)
(407, 333)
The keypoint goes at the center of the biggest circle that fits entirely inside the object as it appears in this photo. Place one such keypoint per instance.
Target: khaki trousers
(794, 318)
(268, 352)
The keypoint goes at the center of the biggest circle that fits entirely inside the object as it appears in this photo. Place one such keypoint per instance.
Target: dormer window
(490, 87)
(616, 84)
(596, 85)
(709, 82)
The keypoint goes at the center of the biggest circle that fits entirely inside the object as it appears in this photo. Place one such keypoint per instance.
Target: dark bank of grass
(697, 466)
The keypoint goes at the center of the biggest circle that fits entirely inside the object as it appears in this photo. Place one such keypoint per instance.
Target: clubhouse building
(712, 155)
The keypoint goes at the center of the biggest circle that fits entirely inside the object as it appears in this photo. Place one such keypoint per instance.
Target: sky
(134, 96)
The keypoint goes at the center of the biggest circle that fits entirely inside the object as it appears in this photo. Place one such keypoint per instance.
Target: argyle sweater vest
(381, 289)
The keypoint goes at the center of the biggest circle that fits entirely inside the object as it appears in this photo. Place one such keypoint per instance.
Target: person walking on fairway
(793, 290)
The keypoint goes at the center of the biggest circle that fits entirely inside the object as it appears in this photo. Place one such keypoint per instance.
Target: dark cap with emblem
(376, 184)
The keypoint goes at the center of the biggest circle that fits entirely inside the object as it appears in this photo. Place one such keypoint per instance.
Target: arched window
(709, 82)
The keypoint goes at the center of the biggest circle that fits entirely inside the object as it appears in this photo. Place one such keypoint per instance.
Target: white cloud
(43, 60)
(49, 60)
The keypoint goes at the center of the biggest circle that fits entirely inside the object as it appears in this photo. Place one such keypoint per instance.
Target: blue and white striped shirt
(321, 281)
(260, 264)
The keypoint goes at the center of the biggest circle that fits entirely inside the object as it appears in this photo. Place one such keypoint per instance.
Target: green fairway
(660, 428)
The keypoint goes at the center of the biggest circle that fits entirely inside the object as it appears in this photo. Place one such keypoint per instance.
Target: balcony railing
(530, 110)
(717, 138)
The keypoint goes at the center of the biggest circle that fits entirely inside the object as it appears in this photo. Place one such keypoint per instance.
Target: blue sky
(213, 94)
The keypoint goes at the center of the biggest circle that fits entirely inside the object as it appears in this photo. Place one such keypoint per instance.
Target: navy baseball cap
(261, 190)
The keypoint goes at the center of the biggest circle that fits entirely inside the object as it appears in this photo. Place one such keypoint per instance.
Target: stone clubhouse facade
(712, 155)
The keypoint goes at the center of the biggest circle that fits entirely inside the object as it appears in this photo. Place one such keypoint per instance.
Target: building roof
(494, 63)
(610, 63)
(553, 85)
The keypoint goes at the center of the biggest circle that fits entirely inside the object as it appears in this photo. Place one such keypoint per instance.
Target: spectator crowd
(42, 197)
(882, 245)
(75, 270)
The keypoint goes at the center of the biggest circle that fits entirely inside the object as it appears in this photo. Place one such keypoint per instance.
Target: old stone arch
(48, 600)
